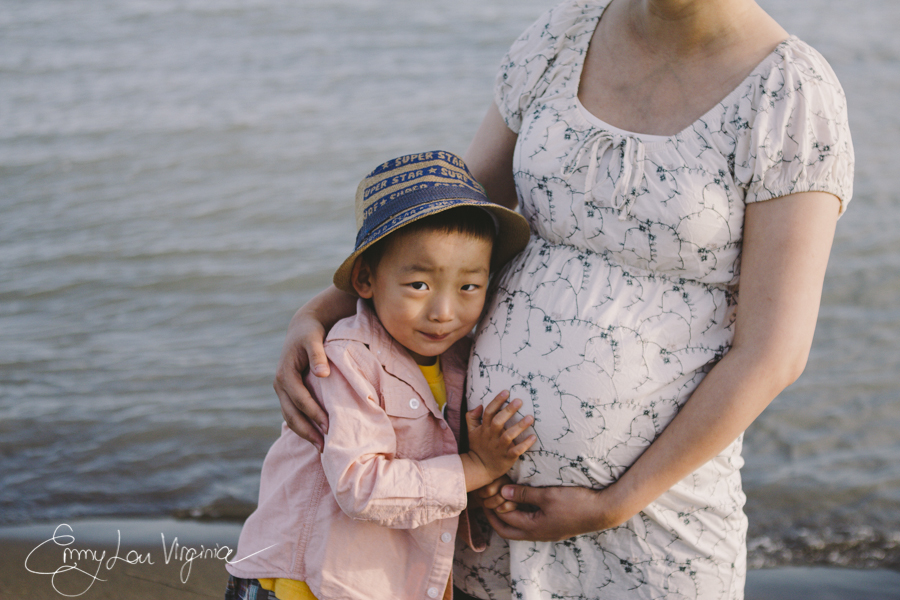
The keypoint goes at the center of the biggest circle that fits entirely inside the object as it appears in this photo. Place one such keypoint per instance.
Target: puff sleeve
(794, 134)
(536, 64)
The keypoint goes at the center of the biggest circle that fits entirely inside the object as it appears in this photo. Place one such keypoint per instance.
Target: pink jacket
(375, 516)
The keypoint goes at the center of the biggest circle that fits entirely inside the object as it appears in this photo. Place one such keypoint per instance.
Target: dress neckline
(651, 138)
(601, 124)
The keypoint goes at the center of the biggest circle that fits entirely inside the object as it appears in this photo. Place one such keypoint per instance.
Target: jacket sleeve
(368, 481)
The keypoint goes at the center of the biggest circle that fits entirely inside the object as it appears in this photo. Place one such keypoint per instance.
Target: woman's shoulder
(792, 128)
(794, 69)
(545, 56)
(793, 88)
(559, 26)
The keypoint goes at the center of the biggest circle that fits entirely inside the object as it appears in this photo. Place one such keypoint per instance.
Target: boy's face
(428, 289)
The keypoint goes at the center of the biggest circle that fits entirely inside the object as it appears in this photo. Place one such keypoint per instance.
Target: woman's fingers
(490, 496)
(504, 529)
(534, 525)
(523, 494)
(300, 410)
(302, 413)
(303, 347)
(493, 488)
(558, 513)
(318, 361)
(499, 505)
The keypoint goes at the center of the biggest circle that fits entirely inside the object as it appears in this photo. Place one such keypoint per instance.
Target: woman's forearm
(728, 400)
(786, 246)
(327, 307)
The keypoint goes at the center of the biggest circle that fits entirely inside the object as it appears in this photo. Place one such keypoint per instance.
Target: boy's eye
(419, 285)
(470, 287)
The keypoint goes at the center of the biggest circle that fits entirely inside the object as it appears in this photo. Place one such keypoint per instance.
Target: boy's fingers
(499, 419)
(506, 507)
(495, 405)
(517, 429)
(473, 417)
(519, 449)
(494, 502)
(492, 489)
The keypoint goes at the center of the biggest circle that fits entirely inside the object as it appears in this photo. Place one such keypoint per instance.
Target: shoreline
(106, 559)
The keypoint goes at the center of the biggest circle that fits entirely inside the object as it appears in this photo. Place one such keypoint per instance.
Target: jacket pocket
(412, 421)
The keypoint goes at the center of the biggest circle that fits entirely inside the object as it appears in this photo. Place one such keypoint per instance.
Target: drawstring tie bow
(630, 153)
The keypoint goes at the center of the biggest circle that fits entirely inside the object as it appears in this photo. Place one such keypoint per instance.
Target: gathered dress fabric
(625, 298)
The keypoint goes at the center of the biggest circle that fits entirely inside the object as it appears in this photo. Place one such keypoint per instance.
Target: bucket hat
(411, 187)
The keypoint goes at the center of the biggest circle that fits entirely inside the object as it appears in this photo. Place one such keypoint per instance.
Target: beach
(185, 560)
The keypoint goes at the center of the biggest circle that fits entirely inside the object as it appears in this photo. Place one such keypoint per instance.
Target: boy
(375, 515)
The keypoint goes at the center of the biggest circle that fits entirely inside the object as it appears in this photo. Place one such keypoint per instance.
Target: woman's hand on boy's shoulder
(303, 346)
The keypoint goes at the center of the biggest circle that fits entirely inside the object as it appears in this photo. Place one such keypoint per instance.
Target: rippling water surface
(177, 177)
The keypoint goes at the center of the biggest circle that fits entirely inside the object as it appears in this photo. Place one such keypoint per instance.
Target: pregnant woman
(682, 164)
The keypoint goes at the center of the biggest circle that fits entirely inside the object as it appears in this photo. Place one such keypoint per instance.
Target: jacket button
(414, 403)
(446, 537)
(432, 592)
(444, 425)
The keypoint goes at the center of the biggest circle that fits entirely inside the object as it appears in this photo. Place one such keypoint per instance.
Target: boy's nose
(441, 309)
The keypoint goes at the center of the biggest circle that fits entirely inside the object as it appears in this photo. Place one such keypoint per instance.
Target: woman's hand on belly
(552, 514)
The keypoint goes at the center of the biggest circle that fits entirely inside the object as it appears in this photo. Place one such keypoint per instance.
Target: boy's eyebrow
(417, 268)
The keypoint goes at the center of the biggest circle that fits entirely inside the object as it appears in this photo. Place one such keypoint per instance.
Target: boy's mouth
(435, 337)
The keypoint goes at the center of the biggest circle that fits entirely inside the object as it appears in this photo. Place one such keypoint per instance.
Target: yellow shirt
(287, 589)
(435, 378)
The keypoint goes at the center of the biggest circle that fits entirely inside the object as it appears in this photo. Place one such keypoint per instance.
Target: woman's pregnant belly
(601, 355)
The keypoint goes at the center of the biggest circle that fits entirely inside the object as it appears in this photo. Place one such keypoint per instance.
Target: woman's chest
(666, 204)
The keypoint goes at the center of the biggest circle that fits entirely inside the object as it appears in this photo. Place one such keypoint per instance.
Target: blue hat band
(412, 203)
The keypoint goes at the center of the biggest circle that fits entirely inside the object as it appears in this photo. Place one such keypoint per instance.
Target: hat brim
(513, 234)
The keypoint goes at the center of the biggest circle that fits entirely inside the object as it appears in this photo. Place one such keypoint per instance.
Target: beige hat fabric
(408, 188)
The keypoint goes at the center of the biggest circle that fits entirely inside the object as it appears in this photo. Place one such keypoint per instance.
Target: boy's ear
(361, 278)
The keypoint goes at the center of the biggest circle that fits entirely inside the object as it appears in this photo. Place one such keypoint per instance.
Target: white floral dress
(624, 299)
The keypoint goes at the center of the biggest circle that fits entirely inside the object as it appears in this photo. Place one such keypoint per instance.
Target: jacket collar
(366, 328)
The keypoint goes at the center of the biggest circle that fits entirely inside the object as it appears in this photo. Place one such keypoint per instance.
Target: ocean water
(177, 177)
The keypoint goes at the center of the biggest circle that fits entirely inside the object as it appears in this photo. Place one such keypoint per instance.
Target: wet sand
(185, 560)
